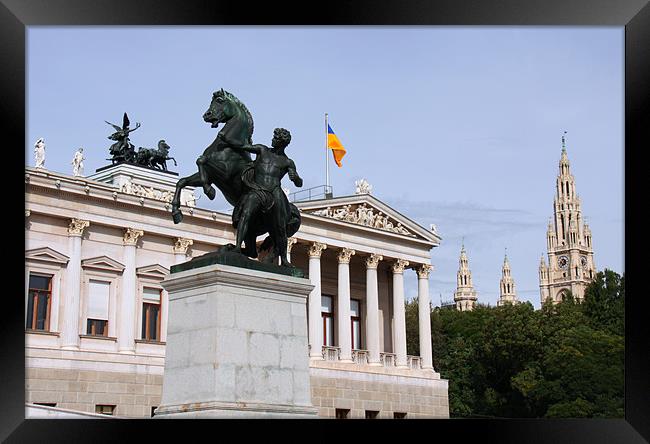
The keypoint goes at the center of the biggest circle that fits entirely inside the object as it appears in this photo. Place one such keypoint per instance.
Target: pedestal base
(236, 345)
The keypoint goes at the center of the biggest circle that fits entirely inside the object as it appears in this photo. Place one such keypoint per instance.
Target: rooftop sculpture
(123, 151)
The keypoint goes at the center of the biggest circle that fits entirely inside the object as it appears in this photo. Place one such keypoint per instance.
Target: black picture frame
(16, 15)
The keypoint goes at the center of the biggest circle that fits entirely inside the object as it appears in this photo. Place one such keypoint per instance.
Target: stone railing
(331, 353)
(414, 362)
(360, 357)
(388, 359)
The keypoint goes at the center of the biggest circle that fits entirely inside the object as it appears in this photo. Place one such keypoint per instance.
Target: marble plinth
(236, 345)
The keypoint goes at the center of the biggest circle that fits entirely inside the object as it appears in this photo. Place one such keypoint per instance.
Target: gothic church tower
(465, 296)
(568, 240)
(507, 292)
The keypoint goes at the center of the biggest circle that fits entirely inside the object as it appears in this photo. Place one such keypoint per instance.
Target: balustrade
(360, 357)
(331, 353)
(388, 359)
(414, 362)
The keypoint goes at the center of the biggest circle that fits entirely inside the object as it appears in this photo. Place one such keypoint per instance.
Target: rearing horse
(222, 165)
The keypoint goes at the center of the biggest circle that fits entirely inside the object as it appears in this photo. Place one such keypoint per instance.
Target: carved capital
(132, 235)
(182, 244)
(423, 271)
(399, 265)
(316, 249)
(77, 227)
(372, 261)
(290, 243)
(344, 255)
(28, 213)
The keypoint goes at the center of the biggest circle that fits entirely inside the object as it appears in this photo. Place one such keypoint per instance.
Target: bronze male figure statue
(264, 196)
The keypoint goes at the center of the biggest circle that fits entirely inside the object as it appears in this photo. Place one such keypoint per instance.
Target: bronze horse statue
(222, 164)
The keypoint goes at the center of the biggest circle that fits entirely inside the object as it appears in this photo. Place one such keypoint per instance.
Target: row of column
(127, 297)
(372, 303)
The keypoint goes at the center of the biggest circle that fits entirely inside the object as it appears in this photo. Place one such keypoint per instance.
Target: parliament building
(98, 247)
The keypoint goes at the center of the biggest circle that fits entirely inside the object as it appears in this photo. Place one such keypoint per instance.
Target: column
(180, 249)
(290, 242)
(70, 327)
(424, 311)
(315, 322)
(343, 305)
(372, 309)
(126, 321)
(399, 315)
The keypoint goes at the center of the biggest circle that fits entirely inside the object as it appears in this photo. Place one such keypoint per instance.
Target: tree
(604, 302)
(564, 360)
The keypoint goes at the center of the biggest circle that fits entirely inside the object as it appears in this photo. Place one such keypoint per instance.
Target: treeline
(563, 361)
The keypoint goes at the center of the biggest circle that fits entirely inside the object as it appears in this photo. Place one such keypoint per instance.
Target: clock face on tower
(583, 261)
(563, 261)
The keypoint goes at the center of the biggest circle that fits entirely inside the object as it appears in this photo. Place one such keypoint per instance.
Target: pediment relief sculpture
(362, 214)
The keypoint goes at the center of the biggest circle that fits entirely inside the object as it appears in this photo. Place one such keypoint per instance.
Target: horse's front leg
(191, 181)
(203, 176)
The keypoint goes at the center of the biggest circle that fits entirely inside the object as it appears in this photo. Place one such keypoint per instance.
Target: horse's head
(222, 108)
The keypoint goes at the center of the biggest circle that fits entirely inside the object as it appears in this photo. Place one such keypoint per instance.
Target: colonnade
(315, 328)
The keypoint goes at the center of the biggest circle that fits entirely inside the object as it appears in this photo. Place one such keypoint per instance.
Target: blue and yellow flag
(334, 144)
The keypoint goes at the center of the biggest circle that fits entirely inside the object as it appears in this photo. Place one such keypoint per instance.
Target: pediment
(46, 254)
(103, 263)
(155, 271)
(370, 212)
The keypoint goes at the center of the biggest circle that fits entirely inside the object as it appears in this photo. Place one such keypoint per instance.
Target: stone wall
(360, 391)
(132, 394)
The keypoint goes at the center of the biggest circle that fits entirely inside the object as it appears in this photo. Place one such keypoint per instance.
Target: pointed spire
(563, 143)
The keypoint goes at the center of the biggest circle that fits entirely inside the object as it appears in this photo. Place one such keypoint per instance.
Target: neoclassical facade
(568, 239)
(96, 314)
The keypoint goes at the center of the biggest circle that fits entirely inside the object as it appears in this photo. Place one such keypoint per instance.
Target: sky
(454, 126)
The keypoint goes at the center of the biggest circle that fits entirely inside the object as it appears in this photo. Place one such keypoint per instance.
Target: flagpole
(327, 159)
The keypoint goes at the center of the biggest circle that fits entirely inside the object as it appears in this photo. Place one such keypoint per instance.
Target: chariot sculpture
(124, 151)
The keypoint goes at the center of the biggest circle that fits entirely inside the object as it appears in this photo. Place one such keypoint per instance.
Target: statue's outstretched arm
(255, 149)
(293, 174)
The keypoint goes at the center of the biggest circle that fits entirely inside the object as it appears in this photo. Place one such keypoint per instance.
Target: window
(342, 413)
(371, 414)
(97, 314)
(151, 298)
(355, 320)
(105, 409)
(38, 302)
(399, 415)
(327, 311)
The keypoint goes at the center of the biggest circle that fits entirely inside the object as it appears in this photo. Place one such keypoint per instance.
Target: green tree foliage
(564, 360)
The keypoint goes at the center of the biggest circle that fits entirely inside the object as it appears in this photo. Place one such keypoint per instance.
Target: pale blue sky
(456, 126)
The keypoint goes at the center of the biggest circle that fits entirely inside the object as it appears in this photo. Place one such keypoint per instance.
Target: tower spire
(507, 293)
(465, 296)
(563, 143)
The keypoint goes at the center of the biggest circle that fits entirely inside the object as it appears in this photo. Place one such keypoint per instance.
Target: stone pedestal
(236, 345)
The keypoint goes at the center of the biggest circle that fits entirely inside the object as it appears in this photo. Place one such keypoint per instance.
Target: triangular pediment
(46, 254)
(155, 271)
(369, 212)
(103, 263)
